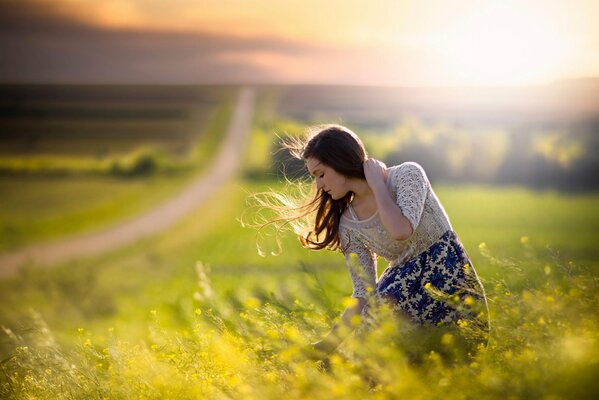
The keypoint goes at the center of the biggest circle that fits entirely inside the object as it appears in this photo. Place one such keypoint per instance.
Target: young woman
(366, 209)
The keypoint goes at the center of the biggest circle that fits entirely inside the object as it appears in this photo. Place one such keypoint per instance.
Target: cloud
(39, 42)
(45, 41)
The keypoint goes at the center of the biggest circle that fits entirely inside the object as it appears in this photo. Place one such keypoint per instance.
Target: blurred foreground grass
(196, 313)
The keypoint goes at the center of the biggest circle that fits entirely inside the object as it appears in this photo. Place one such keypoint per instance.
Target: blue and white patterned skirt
(438, 287)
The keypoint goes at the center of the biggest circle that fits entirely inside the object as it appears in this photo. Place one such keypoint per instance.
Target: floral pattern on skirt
(413, 288)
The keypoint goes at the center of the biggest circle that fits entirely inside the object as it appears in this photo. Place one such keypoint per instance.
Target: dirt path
(225, 164)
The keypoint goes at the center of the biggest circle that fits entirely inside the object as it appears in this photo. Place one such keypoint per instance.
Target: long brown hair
(339, 148)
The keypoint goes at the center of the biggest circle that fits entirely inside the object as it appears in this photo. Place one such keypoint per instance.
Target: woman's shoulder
(407, 167)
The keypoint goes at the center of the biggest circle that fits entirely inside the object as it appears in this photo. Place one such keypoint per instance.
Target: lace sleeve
(412, 185)
(361, 262)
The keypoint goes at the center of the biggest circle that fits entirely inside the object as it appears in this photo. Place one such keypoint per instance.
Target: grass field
(33, 210)
(62, 196)
(100, 120)
(235, 324)
(195, 312)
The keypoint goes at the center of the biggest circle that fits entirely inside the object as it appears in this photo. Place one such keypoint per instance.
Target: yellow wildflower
(336, 359)
(434, 356)
(272, 334)
(252, 302)
(350, 302)
(270, 377)
(447, 339)
(292, 333)
(339, 389)
(289, 353)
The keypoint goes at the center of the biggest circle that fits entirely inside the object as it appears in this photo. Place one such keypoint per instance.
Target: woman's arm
(362, 267)
(341, 329)
(398, 226)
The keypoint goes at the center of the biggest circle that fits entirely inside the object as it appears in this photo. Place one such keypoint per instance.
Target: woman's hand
(375, 172)
(396, 224)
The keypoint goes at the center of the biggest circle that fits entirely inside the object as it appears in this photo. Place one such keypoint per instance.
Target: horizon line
(307, 83)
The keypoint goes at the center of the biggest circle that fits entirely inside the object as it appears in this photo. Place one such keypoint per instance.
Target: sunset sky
(408, 43)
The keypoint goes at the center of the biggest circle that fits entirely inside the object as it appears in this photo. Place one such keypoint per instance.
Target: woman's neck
(362, 192)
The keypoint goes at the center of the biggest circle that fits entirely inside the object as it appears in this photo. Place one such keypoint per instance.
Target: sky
(360, 42)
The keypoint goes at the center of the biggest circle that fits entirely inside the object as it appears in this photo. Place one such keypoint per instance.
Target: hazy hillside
(572, 100)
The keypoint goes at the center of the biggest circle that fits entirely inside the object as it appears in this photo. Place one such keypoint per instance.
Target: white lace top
(362, 240)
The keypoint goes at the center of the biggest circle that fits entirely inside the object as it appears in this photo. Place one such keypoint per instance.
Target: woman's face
(327, 179)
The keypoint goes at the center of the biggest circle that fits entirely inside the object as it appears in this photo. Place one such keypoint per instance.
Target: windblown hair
(339, 148)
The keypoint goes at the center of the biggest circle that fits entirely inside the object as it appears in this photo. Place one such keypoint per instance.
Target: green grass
(38, 208)
(213, 236)
(34, 210)
(154, 327)
(501, 216)
(109, 145)
(195, 312)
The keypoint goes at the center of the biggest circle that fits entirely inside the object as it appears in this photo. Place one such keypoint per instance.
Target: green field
(195, 312)
(91, 130)
(33, 210)
(150, 320)
(100, 120)
(66, 182)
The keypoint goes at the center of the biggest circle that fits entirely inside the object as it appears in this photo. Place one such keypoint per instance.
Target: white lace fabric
(361, 241)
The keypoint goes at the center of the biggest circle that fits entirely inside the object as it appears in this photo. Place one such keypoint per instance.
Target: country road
(225, 165)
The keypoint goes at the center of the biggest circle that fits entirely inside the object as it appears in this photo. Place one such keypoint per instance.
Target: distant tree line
(541, 160)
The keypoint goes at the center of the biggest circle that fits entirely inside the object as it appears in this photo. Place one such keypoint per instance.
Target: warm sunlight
(422, 43)
(502, 44)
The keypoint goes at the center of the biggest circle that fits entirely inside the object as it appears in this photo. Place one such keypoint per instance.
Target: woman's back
(409, 186)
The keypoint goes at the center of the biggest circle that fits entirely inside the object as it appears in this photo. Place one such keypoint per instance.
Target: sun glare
(407, 42)
(504, 44)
